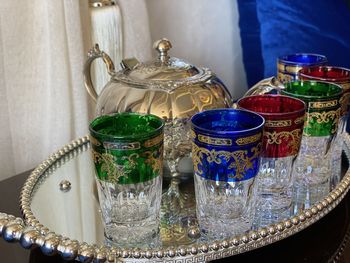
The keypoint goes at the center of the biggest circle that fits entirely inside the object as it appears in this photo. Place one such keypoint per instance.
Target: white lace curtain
(43, 102)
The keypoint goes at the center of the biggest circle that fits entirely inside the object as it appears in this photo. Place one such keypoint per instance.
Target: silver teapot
(168, 87)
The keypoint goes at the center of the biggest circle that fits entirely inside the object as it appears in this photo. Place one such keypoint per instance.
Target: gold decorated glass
(127, 149)
(312, 166)
(226, 145)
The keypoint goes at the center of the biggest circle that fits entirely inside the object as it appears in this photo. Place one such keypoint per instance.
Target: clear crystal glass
(275, 182)
(130, 212)
(127, 150)
(226, 156)
(284, 118)
(312, 171)
(224, 208)
(340, 76)
(274, 190)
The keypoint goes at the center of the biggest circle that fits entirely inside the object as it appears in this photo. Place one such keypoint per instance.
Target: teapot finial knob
(162, 46)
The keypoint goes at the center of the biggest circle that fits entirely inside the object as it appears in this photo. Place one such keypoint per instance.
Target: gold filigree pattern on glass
(323, 117)
(113, 170)
(153, 141)
(238, 160)
(214, 141)
(288, 69)
(299, 120)
(323, 104)
(278, 137)
(277, 124)
(249, 139)
(122, 145)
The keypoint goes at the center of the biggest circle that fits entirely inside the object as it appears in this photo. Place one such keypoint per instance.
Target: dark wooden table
(324, 241)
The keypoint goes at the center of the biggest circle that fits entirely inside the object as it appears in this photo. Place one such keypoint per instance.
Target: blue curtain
(270, 28)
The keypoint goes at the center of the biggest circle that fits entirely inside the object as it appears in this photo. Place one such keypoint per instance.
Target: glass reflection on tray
(76, 213)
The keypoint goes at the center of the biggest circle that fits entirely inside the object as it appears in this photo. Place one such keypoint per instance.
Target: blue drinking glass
(288, 66)
(226, 154)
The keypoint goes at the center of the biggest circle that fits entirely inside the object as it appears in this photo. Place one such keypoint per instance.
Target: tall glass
(339, 76)
(283, 129)
(225, 152)
(288, 66)
(127, 149)
(312, 169)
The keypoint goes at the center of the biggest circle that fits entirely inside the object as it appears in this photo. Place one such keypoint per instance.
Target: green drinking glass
(127, 149)
(322, 101)
(312, 167)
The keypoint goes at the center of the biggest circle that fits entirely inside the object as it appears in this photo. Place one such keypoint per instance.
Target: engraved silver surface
(31, 232)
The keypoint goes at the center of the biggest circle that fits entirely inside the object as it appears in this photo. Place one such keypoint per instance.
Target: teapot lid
(166, 72)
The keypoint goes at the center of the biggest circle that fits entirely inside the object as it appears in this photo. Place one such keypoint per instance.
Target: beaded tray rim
(30, 232)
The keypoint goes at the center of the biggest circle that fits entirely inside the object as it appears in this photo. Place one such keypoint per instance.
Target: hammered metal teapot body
(168, 87)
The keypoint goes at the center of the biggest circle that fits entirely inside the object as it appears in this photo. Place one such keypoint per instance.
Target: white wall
(203, 32)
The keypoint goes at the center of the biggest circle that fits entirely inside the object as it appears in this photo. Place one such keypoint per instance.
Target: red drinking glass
(284, 121)
(332, 74)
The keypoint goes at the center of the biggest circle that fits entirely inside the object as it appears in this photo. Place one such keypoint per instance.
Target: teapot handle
(94, 53)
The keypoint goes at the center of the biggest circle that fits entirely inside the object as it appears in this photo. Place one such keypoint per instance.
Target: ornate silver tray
(61, 215)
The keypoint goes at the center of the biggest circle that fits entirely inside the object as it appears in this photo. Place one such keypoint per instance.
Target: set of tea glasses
(274, 152)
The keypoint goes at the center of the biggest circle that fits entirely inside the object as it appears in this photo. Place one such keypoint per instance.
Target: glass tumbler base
(132, 236)
(222, 209)
(306, 196)
(224, 228)
(274, 183)
(279, 200)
